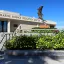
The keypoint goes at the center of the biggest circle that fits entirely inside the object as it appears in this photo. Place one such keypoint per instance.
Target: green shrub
(45, 31)
(44, 42)
(43, 28)
(22, 42)
(11, 44)
(37, 42)
(58, 41)
(51, 42)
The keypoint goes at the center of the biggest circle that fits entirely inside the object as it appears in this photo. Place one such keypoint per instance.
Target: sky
(53, 9)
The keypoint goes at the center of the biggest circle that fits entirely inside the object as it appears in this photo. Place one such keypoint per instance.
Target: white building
(11, 21)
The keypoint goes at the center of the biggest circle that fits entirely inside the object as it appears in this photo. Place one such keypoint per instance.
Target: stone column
(8, 30)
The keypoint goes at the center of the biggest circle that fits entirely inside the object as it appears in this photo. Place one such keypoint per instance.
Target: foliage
(45, 31)
(22, 42)
(43, 28)
(58, 41)
(51, 42)
(44, 42)
(37, 42)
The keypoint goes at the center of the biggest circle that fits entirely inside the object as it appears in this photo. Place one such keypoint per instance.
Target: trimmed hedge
(36, 42)
(43, 28)
(21, 42)
(45, 31)
(55, 30)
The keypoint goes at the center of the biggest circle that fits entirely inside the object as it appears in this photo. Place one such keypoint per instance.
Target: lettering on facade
(5, 15)
(9, 16)
(27, 18)
(35, 19)
(19, 17)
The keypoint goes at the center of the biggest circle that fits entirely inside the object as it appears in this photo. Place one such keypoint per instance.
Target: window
(3, 26)
(15, 25)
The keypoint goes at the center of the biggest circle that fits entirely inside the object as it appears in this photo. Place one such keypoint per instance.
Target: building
(48, 24)
(11, 21)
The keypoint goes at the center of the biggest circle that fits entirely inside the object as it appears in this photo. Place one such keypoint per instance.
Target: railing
(9, 36)
(38, 31)
(31, 30)
(6, 37)
(2, 39)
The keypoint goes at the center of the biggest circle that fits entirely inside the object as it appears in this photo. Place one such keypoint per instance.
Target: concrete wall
(23, 25)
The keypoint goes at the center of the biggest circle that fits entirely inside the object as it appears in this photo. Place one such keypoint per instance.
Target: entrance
(3, 26)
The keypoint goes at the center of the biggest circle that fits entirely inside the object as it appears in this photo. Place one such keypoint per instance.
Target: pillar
(8, 26)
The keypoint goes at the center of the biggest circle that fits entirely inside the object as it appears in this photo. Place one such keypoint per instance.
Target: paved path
(32, 60)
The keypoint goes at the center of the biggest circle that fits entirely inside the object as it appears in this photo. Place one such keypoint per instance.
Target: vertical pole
(12, 35)
(9, 36)
(6, 39)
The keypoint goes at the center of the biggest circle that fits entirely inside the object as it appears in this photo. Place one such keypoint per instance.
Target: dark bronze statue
(40, 12)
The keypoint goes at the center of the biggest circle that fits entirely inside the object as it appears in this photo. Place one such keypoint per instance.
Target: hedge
(42, 42)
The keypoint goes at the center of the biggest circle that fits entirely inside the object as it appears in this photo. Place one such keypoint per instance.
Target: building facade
(11, 21)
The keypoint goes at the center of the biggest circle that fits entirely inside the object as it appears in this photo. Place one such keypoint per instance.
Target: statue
(40, 12)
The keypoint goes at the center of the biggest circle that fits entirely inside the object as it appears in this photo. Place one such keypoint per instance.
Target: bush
(45, 31)
(22, 42)
(58, 41)
(51, 42)
(43, 28)
(42, 42)
(11, 44)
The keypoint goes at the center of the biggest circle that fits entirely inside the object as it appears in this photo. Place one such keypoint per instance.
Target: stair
(4, 38)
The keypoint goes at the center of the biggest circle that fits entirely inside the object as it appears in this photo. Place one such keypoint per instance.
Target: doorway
(3, 26)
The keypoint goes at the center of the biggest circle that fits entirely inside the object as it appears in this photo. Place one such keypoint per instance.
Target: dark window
(51, 26)
(3, 26)
(15, 25)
